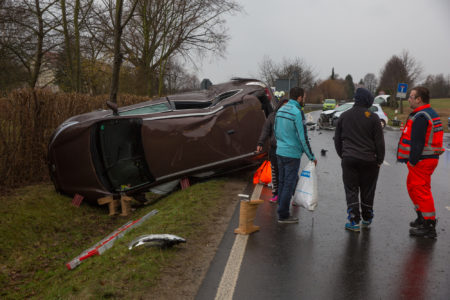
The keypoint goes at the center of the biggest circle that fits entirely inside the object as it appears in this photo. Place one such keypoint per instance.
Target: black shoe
(417, 222)
(426, 230)
(288, 220)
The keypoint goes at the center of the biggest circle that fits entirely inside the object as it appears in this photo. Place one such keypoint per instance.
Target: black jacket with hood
(267, 130)
(358, 132)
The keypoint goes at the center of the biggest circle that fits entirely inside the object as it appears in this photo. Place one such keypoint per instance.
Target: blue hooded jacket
(290, 132)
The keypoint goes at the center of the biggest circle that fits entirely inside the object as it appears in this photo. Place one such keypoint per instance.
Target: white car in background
(328, 119)
(382, 99)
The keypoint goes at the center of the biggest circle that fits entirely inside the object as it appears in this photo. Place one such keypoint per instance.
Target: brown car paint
(88, 157)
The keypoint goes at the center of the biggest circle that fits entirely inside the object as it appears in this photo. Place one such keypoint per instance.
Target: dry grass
(27, 121)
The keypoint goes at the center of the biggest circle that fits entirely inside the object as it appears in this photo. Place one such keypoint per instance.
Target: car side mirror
(113, 106)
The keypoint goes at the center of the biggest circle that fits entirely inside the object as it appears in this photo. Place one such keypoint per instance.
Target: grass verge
(40, 232)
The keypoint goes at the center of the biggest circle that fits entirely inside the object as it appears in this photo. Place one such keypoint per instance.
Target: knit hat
(363, 98)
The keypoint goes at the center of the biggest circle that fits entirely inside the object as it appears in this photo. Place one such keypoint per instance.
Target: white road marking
(231, 273)
(386, 163)
(447, 149)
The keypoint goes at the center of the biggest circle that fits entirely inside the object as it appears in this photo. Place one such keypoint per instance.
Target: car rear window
(151, 109)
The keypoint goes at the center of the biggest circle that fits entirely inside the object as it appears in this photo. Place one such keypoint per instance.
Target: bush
(27, 120)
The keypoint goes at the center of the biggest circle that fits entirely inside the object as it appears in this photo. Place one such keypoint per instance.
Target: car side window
(151, 109)
(373, 109)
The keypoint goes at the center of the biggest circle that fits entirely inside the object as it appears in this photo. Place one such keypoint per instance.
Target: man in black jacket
(359, 142)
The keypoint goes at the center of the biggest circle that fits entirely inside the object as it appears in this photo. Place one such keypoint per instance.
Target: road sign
(401, 90)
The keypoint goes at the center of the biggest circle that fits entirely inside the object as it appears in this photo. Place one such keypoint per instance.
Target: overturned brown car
(133, 148)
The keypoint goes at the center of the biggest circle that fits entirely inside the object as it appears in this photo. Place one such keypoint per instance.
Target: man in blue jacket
(292, 142)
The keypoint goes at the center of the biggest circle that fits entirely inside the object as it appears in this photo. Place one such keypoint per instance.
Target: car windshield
(330, 101)
(344, 107)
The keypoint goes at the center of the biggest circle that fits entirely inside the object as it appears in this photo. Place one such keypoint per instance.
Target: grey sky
(354, 36)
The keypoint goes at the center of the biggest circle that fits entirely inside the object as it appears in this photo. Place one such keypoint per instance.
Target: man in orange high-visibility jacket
(419, 147)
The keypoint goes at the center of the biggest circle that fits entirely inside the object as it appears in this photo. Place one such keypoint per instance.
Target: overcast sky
(355, 37)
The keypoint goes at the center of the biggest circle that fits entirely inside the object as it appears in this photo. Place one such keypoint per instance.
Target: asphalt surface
(319, 259)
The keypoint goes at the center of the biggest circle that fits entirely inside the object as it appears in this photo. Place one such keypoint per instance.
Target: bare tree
(165, 28)
(28, 32)
(294, 68)
(268, 70)
(112, 16)
(12, 73)
(73, 18)
(370, 82)
(438, 86)
(399, 69)
(178, 79)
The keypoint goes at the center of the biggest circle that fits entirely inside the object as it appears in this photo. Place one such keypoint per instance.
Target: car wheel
(383, 123)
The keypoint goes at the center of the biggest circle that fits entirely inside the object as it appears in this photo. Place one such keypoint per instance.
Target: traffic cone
(401, 126)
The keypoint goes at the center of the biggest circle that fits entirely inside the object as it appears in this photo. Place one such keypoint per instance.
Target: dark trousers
(287, 181)
(360, 177)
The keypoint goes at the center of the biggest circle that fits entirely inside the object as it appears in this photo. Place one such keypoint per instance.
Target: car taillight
(385, 114)
(268, 94)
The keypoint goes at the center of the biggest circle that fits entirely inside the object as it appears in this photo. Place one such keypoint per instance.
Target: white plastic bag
(306, 191)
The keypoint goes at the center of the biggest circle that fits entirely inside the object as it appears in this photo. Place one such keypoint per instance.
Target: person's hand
(259, 148)
(315, 162)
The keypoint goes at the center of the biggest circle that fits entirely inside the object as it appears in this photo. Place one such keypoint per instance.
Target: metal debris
(158, 240)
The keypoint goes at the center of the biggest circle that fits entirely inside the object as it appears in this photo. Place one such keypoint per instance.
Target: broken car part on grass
(158, 240)
(108, 241)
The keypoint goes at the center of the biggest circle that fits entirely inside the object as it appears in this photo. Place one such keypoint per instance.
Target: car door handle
(230, 131)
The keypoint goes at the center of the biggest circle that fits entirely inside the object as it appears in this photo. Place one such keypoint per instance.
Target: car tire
(383, 123)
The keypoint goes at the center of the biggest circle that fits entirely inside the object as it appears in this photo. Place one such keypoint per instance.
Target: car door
(190, 141)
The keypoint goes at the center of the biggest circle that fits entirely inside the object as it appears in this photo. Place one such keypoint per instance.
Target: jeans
(287, 181)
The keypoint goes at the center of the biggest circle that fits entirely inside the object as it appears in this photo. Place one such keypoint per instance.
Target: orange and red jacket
(432, 143)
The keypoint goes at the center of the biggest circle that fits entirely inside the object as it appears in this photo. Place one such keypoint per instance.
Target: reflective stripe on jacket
(433, 138)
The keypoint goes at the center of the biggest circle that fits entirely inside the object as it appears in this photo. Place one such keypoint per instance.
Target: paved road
(319, 259)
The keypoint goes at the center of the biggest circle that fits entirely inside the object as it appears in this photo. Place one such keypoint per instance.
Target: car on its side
(134, 148)
(328, 119)
(329, 104)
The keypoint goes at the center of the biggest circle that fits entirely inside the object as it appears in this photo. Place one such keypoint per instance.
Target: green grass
(442, 107)
(40, 231)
